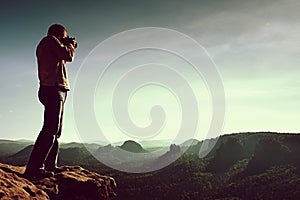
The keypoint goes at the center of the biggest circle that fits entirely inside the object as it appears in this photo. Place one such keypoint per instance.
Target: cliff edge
(73, 182)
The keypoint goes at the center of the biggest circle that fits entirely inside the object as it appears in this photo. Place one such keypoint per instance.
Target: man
(52, 53)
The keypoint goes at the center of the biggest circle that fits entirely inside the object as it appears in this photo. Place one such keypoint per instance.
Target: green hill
(262, 165)
(9, 147)
(132, 146)
(21, 157)
(240, 166)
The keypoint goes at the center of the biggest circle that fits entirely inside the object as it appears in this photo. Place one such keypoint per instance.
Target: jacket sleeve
(62, 52)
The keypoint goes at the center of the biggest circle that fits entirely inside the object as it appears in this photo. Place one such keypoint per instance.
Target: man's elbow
(70, 58)
(71, 54)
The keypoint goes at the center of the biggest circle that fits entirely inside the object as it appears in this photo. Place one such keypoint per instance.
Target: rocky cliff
(73, 182)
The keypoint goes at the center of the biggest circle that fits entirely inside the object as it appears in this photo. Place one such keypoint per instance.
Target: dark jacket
(52, 56)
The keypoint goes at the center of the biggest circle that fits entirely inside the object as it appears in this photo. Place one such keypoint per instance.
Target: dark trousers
(45, 150)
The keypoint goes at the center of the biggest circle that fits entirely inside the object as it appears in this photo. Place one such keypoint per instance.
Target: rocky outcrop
(229, 152)
(14, 187)
(73, 182)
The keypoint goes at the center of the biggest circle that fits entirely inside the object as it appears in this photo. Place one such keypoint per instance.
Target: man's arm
(62, 52)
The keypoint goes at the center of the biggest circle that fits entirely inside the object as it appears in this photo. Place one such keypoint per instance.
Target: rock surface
(73, 182)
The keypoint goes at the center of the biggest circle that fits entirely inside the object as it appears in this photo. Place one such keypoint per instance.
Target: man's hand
(74, 43)
(69, 40)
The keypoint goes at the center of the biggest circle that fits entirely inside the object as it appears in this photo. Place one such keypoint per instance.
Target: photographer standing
(52, 53)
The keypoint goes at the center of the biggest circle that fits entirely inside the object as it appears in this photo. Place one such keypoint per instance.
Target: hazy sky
(255, 45)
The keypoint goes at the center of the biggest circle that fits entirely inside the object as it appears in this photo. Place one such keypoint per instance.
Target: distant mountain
(6, 141)
(132, 146)
(150, 144)
(25, 141)
(191, 146)
(71, 145)
(76, 156)
(89, 146)
(190, 142)
(21, 157)
(170, 156)
(10, 147)
(67, 156)
(261, 165)
(21, 141)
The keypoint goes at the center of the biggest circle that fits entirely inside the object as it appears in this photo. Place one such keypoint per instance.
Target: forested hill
(262, 165)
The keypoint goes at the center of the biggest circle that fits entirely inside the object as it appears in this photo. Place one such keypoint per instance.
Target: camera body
(69, 40)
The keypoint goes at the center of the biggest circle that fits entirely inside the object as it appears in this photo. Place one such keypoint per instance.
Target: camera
(69, 40)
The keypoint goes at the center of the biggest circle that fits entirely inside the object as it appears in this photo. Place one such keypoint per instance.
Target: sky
(254, 46)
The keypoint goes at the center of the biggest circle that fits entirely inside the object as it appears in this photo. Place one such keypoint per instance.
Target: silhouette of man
(52, 53)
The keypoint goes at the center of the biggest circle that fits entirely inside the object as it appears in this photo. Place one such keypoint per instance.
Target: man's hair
(56, 30)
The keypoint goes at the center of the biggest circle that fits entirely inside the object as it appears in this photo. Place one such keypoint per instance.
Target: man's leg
(51, 160)
(46, 138)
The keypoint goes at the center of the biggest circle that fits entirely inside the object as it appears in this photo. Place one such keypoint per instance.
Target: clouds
(255, 44)
(259, 38)
(243, 22)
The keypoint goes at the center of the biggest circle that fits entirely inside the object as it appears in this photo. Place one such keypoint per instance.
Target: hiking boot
(38, 174)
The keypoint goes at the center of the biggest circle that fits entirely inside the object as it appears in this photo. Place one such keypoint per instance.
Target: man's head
(58, 31)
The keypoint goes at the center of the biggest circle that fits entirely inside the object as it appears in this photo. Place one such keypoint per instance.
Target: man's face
(64, 35)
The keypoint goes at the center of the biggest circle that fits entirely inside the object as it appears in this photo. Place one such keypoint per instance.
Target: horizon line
(225, 134)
